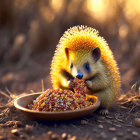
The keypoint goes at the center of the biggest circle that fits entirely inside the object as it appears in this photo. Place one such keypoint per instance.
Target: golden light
(47, 13)
(56, 5)
(20, 4)
(74, 7)
(64, 82)
(99, 9)
(7, 77)
(74, 71)
(131, 10)
(96, 6)
(123, 31)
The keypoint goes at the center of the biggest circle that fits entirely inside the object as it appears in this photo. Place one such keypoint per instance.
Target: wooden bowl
(22, 102)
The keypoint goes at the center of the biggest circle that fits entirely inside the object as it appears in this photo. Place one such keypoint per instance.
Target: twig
(42, 85)
(108, 117)
(2, 118)
(31, 91)
(132, 108)
(118, 119)
(4, 114)
(1, 92)
(8, 91)
(6, 106)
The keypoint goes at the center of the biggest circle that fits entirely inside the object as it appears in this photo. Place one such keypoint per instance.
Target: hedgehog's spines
(77, 29)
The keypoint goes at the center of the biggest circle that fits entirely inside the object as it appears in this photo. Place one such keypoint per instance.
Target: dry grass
(130, 99)
(7, 108)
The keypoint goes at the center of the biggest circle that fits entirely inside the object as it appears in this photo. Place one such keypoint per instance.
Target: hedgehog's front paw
(71, 84)
(88, 83)
(104, 112)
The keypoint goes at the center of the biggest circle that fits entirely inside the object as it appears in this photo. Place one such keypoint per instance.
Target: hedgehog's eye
(87, 67)
(71, 66)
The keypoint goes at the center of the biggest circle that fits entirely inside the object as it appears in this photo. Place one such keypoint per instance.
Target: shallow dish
(22, 102)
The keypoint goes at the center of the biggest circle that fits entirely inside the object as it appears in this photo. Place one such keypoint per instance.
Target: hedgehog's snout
(79, 75)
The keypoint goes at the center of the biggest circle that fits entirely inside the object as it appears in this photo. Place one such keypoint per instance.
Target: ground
(118, 125)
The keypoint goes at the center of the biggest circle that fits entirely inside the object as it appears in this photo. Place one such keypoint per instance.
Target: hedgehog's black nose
(79, 75)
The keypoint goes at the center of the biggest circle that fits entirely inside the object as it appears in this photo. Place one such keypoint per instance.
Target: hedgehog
(81, 53)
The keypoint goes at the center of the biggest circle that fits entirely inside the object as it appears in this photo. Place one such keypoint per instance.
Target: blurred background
(30, 31)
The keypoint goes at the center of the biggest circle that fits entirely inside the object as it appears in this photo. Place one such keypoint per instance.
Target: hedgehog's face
(83, 63)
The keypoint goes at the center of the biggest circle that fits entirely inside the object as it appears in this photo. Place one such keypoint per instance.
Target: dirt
(119, 124)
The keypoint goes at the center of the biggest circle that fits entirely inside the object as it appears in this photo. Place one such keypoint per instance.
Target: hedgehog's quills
(82, 52)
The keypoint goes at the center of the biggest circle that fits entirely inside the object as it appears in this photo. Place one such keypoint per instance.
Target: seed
(101, 117)
(112, 129)
(10, 123)
(64, 136)
(120, 134)
(134, 133)
(69, 136)
(28, 128)
(100, 126)
(50, 133)
(22, 137)
(103, 135)
(118, 125)
(84, 122)
(18, 123)
(54, 137)
(114, 138)
(15, 132)
(62, 100)
(137, 122)
(73, 138)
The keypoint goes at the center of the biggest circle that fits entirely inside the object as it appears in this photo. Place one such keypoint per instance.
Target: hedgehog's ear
(96, 53)
(67, 52)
